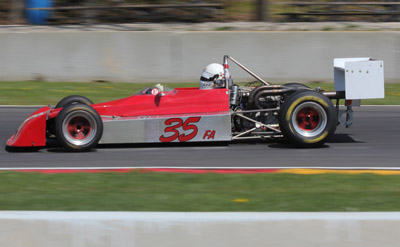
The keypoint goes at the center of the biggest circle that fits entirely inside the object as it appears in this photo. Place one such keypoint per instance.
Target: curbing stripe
(56, 171)
(300, 171)
(148, 170)
(219, 171)
(327, 171)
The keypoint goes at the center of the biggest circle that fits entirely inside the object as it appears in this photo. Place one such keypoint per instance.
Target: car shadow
(336, 138)
(61, 150)
(280, 144)
(156, 145)
(286, 145)
(23, 149)
(58, 149)
(343, 138)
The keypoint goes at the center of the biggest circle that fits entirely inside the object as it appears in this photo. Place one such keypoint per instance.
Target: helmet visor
(210, 78)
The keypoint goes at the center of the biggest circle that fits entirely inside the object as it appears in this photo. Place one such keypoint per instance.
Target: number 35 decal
(174, 123)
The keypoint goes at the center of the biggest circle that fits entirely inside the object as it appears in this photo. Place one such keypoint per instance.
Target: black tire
(298, 86)
(78, 127)
(307, 119)
(73, 99)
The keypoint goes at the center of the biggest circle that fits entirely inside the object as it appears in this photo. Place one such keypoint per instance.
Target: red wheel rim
(308, 119)
(79, 127)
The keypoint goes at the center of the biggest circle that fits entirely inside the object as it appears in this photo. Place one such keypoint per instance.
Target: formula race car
(218, 110)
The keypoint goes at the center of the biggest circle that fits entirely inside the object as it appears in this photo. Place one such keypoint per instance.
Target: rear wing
(359, 78)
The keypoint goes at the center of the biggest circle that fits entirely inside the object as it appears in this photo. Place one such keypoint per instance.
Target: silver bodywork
(216, 127)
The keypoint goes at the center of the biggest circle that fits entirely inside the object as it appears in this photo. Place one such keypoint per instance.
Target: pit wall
(146, 56)
(130, 229)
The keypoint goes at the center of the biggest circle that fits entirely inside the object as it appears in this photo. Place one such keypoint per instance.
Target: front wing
(32, 132)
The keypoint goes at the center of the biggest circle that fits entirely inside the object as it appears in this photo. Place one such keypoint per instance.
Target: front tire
(78, 127)
(307, 119)
(73, 99)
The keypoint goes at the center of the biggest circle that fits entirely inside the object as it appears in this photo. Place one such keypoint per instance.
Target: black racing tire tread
(297, 85)
(59, 133)
(288, 108)
(73, 99)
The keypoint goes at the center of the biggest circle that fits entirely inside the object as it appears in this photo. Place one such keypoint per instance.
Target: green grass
(223, 29)
(136, 191)
(44, 93)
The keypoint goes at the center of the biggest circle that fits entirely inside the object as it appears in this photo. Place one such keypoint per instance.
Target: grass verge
(138, 191)
(45, 93)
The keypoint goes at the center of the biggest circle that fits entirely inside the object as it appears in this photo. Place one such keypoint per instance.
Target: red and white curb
(218, 170)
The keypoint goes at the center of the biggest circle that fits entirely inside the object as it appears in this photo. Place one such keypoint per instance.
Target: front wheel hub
(79, 128)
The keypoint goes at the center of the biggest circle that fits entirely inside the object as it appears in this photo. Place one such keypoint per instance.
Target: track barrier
(123, 229)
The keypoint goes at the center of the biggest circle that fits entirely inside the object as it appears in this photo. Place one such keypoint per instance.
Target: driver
(212, 77)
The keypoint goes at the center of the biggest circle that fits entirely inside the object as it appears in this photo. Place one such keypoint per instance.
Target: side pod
(32, 132)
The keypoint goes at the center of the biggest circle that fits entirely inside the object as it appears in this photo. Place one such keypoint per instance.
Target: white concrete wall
(131, 229)
(181, 56)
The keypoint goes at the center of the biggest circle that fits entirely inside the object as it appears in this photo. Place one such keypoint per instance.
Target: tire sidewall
(290, 107)
(65, 113)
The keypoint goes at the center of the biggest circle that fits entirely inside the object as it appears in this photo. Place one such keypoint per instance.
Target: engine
(263, 109)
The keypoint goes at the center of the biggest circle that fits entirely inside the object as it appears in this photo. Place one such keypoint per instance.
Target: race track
(372, 141)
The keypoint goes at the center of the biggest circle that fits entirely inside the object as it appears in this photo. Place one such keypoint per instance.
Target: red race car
(216, 111)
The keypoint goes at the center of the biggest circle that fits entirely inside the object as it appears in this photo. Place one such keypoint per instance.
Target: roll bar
(228, 76)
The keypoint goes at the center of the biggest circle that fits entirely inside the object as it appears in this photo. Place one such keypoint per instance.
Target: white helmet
(212, 77)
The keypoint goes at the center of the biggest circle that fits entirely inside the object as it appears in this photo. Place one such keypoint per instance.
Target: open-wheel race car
(218, 110)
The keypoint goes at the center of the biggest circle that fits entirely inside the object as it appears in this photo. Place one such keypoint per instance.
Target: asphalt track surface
(372, 141)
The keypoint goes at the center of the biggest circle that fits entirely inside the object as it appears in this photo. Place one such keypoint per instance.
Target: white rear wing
(359, 78)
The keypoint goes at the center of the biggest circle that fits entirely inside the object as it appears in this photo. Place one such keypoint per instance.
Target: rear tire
(296, 85)
(307, 119)
(73, 99)
(78, 127)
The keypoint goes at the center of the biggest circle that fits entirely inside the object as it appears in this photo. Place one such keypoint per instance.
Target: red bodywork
(32, 132)
(178, 102)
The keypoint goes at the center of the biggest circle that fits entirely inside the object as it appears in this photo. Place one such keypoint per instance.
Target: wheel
(78, 127)
(307, 119)
(73, 99)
